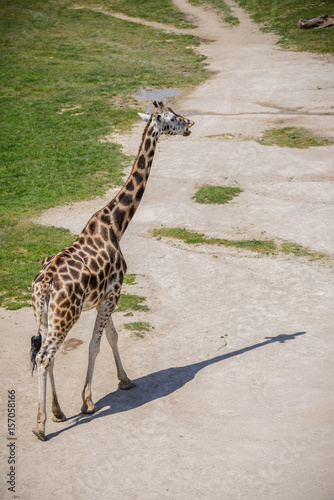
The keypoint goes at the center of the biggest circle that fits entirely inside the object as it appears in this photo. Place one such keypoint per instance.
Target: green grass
(260, 246)
(138, 328)
(192, 237)
(300, 251)
(62, 71)
(281, 17)
(22, 250)
(163, 11)
(292, 137)
(225, 10)
(216, 194)
(130, 302)
(129, 279)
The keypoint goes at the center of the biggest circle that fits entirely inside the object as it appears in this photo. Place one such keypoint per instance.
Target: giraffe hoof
(88, 409)
(40, 434)
(60, 417)
(126, 384)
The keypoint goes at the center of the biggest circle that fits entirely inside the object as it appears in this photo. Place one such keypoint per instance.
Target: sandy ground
(248, 416)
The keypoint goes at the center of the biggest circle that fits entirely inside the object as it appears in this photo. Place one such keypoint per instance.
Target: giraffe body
(90, 274)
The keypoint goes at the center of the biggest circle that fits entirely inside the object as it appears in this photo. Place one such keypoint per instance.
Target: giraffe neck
(124, 205)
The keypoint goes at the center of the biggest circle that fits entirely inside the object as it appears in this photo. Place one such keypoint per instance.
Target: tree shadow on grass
(157, 385)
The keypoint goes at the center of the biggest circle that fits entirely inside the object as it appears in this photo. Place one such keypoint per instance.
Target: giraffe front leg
(112, 336)
(87, 403)
(58, 415)
(94, 348)
(39, 430)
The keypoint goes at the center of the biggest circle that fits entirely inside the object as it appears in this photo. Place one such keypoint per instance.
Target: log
(324, 21)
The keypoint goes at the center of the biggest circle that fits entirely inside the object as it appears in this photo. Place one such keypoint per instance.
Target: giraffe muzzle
(187, 131)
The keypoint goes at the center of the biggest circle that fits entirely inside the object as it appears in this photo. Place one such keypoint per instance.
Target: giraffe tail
(36, 342)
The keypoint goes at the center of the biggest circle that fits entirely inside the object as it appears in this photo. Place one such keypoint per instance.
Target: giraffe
(89, 274)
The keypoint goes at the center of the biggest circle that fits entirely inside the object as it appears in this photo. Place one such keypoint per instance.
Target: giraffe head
(167, 121)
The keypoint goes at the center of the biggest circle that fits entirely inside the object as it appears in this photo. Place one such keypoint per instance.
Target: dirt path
(251, 419)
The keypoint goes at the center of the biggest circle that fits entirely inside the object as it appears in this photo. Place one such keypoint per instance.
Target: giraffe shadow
(157, 385)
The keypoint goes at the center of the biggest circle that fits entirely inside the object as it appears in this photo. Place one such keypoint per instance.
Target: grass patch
(22, 250)
(282, 17)
(221, 7)
(192, 237)
(61, 72)
(259, 246)
(129, 302)
(129, 279)
(216, 194)
(289, 247)
(163, 11)
(292, 137)
(138, 328)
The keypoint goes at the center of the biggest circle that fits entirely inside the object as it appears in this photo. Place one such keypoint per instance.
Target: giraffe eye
(174, 118)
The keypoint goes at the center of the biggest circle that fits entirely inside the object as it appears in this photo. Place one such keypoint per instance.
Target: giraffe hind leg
(44, 361)
(39, 429)
(36, 344)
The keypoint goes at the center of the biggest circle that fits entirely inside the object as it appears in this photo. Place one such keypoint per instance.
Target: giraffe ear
(144, 117)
